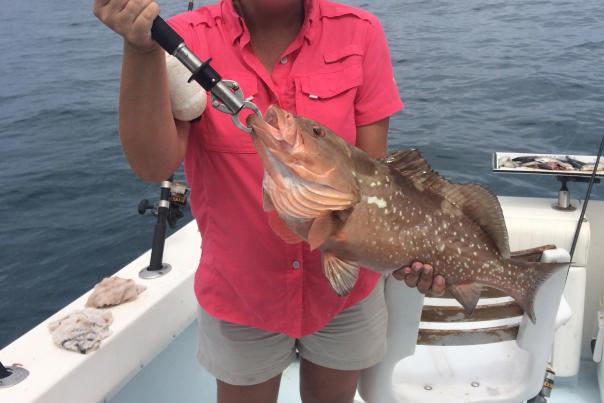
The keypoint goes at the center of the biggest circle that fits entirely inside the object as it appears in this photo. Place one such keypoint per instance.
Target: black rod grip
(163, 34)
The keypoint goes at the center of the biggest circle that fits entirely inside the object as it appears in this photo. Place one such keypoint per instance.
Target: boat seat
(498, 355)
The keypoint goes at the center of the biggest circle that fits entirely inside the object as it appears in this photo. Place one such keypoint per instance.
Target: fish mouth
(277, 129)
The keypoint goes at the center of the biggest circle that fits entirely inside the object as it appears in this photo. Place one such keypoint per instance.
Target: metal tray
(589, 159)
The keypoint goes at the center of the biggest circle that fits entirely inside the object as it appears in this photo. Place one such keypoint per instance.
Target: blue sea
(476, 77)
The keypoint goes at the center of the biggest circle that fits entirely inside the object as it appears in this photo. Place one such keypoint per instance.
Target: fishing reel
(179, 193)
(173, 198)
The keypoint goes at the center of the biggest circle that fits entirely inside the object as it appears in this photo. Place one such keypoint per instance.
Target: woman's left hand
(421, 276)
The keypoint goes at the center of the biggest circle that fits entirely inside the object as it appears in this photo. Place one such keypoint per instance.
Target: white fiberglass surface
(176, 376)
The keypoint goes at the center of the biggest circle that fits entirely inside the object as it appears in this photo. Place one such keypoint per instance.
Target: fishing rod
(227, 95)
(586, 201)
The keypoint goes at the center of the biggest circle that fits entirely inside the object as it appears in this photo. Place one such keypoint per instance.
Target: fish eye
(318, 131)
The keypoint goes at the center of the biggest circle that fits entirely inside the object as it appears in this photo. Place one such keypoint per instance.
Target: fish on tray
(547, 163)
(385, 214)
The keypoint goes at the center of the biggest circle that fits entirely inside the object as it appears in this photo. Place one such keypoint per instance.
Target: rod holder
(563, 203)
(12, 375)
(156, 266)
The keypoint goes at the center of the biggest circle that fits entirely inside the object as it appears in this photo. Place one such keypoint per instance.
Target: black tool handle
(163, 34)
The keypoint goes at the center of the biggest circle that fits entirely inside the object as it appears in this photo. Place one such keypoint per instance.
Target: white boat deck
(176, 376)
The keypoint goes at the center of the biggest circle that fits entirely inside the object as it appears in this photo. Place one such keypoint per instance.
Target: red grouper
(385, 214)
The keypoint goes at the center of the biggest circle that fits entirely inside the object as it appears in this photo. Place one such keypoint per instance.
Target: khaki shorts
(241, 355)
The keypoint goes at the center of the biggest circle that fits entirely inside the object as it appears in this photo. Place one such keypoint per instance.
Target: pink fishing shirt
(337, 72)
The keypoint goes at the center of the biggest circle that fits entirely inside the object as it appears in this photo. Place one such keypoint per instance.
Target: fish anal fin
(321, 229)
(281, 229)
(342, 275)
(467, 295)
(475, 201)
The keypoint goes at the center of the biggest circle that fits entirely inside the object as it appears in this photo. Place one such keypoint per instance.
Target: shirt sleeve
(377, 98)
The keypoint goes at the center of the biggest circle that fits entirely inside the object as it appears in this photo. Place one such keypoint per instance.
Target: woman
(260, 298)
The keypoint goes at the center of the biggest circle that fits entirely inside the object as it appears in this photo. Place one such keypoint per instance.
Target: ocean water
(476, 77)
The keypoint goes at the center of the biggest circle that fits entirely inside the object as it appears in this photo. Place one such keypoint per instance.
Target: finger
(438, 286)
(425, 279)
(128, 14)
(98, 5)
(412, 278)
(401, 273)
(148, 14)
(119, 5)
(143, 4)
(142, 25)
(133, 9)
(109, 11)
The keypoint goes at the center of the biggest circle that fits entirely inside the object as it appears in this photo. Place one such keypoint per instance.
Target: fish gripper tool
(227, 95)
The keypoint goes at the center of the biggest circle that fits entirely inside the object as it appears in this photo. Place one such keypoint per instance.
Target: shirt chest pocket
(217, 130)
(328, 94)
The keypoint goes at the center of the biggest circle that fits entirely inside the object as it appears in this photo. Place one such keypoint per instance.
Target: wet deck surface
(582, 390)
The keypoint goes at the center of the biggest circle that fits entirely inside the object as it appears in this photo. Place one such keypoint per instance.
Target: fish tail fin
(536, 274)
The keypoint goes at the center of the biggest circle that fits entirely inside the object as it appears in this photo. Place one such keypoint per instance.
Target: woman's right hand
(132, 19)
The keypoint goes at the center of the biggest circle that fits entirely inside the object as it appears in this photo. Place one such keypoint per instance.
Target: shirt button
(284, 60)
(296, 265)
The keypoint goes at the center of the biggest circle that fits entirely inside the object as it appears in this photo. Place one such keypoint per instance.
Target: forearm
(146, 125)
(373, 138)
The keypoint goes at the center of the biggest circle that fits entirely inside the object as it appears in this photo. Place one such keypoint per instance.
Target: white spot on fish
(378, 201)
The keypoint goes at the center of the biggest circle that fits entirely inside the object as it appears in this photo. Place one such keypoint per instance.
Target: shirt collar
(238, 30)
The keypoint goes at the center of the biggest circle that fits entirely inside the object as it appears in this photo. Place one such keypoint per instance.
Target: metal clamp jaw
(227, 97)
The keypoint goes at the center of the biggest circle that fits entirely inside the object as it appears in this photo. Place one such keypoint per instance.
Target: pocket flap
(334, 55)
(325, 85)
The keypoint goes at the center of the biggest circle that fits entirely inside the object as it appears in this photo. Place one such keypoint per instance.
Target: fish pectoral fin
(467, 295)
(342, 275)
(281, 229)
(267, 203)
(321, 229)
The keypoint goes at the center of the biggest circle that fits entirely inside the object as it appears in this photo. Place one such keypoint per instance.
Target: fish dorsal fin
(467, 295)
(342, 275)
(475, 201)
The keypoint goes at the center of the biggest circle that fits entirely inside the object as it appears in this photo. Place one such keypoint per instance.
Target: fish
(546, 163)
(553, 164)
(524, 159)
(508, 163)
(530, 164)
(575, 163)
(384, 214)
(590, 168)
